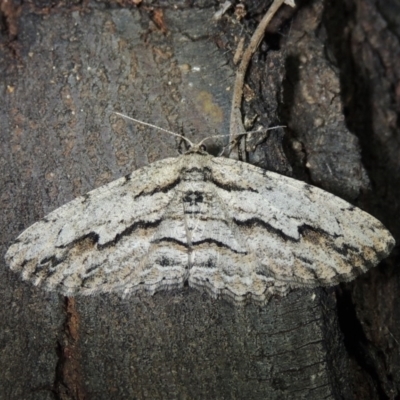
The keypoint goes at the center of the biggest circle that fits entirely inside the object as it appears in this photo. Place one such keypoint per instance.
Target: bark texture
(328, 70)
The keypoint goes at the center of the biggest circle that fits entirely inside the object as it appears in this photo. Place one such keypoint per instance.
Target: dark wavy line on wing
(160, 189)
(199, 243)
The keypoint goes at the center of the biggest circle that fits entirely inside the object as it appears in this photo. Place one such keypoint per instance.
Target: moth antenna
(155, 127)
(244, 133)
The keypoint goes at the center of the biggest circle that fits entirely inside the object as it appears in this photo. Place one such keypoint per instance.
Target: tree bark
(328, 70)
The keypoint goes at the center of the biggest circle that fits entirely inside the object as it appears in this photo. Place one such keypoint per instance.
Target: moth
(212, 223)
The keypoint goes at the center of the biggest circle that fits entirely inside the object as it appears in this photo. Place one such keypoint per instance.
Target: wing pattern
(212, 223)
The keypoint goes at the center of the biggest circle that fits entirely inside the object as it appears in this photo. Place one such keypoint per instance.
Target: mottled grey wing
(101, 241)
(300, 235)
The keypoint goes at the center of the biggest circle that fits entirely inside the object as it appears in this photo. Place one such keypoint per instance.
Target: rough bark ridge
(329, 72)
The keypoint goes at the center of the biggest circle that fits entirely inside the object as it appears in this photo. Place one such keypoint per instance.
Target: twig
(236, 124)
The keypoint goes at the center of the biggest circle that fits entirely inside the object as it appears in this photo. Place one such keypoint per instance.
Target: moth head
(197, 149)
(212, 148)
